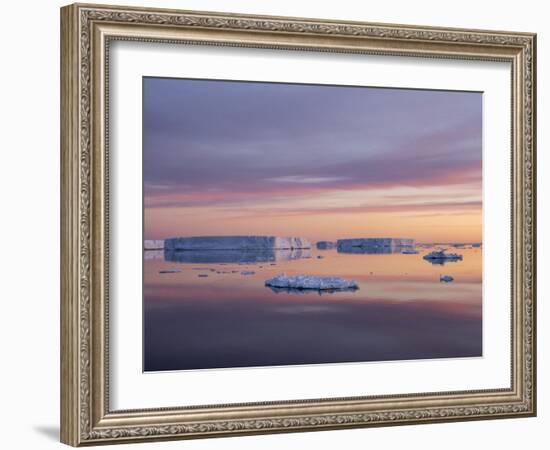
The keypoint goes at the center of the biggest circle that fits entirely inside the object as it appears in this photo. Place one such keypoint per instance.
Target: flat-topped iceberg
(236, 243)
(311, 282)
(153, 244)
(325, 245)
(374, 245)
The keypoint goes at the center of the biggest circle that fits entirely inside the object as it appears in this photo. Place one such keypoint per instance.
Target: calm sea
(216, 312)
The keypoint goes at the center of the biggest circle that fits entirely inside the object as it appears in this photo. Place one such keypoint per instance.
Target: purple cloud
(210, 142)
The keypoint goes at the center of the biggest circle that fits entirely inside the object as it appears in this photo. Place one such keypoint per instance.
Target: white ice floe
(310, 282)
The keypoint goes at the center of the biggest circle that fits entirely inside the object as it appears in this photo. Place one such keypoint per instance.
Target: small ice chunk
(170, 271)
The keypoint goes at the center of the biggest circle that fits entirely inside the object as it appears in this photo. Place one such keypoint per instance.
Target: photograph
(294, 224)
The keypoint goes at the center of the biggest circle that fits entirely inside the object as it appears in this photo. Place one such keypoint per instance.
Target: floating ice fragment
(311, 282)
(170, 271)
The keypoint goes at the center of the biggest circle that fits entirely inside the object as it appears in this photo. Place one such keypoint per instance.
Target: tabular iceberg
(236, 243)
(325, 245)
(374, 245)
(311, 282)
(153, 244)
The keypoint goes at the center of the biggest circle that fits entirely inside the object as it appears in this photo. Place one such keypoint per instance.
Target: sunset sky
(323, 162)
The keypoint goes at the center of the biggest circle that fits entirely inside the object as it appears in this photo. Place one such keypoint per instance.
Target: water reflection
(401, 310)
(153, 254)
(371, 250)
(441, 262)
(235, 256)
(294, 291)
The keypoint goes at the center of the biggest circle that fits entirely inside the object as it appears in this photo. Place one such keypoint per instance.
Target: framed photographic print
(275, 224)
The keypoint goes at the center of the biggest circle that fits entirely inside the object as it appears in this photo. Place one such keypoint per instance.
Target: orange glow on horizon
(428, 226)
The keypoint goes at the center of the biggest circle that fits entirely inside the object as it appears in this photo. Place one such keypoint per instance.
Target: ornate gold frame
(86, 31)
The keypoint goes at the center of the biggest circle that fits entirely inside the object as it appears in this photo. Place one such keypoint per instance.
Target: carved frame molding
(86, 32)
